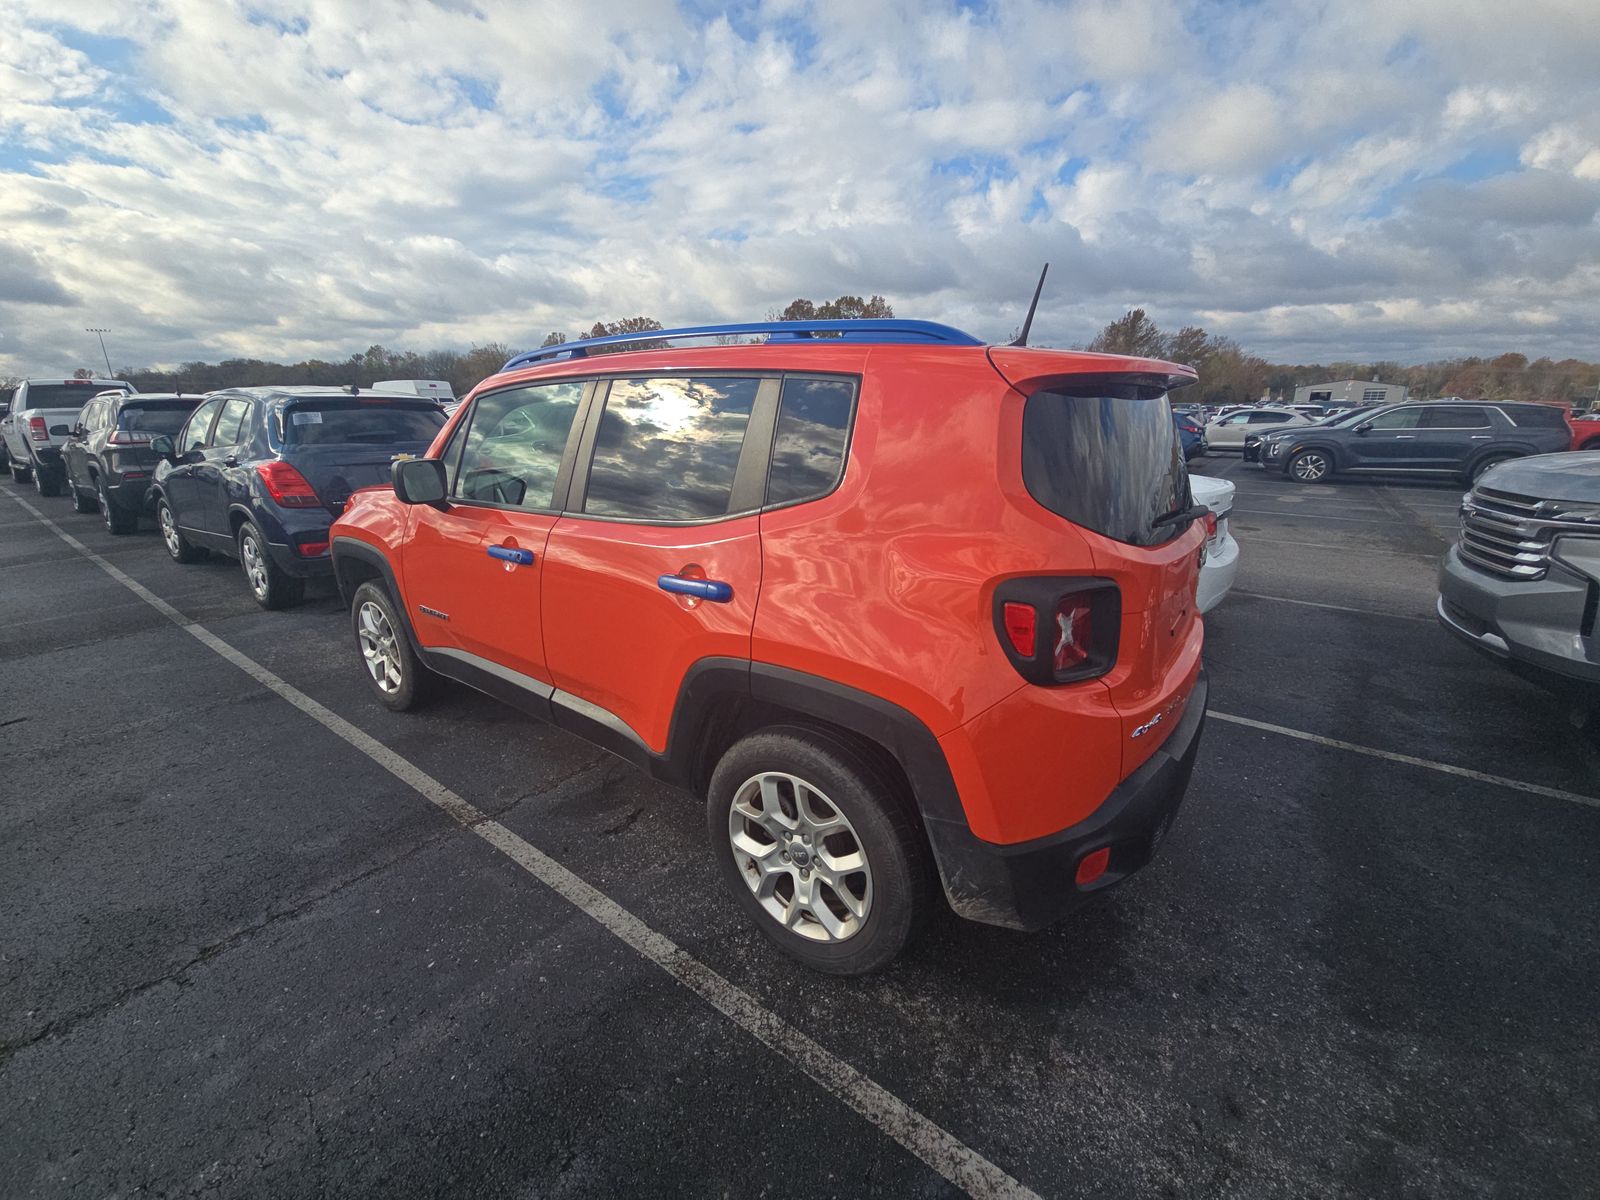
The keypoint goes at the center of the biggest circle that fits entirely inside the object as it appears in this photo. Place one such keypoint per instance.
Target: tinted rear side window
(1538, 416)
(1106, 459)
(342, 422)
(808, 447)
(156, 418)
(667, 449)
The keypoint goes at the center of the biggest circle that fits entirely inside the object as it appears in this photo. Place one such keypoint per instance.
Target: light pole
(99, 333)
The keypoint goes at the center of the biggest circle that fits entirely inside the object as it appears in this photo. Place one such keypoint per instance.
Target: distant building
(1350, 392)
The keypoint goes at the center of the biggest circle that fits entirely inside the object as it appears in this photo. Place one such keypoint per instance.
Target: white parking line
(1365, 612)
(935, 1146)
(1535, 789)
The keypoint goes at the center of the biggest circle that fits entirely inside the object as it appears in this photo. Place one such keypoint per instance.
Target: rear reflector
(287, 486)
(311, 549)
(37, 430)
(1093, 865)
(1021, 628)
(136, 474)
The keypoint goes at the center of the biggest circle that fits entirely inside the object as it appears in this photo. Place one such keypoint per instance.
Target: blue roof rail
(887, 330)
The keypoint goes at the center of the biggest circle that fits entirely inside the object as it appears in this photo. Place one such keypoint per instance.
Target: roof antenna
(1022, 338)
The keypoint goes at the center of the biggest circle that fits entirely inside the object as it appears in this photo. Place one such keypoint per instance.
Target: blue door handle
(512, 554)
(705, 589)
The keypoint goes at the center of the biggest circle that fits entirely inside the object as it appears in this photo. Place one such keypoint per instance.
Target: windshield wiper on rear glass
(1194, 512)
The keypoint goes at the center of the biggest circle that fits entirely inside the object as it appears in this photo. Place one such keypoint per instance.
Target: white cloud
(299, 177)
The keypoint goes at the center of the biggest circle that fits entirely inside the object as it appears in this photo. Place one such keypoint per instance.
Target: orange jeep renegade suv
(904, 607)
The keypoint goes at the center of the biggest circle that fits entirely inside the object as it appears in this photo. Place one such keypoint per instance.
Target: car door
(178, 483)
(1450, 434)
(74, 451)
(1387, 442)
(472, 567)
(219, 455)
(657, 562)
(1229, 431)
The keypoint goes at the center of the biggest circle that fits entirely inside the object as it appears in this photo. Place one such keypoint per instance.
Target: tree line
(1229, 374)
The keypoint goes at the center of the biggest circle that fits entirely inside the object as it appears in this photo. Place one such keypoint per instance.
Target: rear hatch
(1101, 451)
(140, 421)
(341, 444)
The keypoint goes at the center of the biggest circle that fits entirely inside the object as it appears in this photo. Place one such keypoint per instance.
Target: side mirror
(77, 429)
(419, 481)
(1364, 427)
(163, 446)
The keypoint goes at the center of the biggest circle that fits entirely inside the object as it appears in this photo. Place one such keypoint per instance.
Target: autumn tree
(1134, 333)
(845, 308)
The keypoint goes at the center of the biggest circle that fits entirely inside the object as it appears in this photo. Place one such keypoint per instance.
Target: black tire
(852, 784)
(19, 474)
(272, 587)
(1475, 472)
(179, 548)
(46, 480)
(416, 682)
(1310, 466)
(116, 520)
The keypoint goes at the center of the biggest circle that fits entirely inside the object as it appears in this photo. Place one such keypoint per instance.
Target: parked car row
(896, 655)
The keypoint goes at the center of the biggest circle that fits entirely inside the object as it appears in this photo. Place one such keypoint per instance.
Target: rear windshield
(63, 395)
(342, 422)
(1106, 459)
(167, 417)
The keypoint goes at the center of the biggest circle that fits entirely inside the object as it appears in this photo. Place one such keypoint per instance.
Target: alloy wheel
(255, 567)
(1310, 468)
(800, 857)
(169, 531)
(378, 648)
(105, 504)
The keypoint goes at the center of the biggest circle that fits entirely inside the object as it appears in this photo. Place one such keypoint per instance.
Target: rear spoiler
(1030, 370)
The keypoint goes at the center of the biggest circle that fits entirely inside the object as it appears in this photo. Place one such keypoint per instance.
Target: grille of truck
(1506, 534)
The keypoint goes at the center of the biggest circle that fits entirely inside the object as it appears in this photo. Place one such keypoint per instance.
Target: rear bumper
(291, 563)
(1027, 885)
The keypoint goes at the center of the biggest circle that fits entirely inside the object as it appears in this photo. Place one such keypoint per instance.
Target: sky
(1320, 179)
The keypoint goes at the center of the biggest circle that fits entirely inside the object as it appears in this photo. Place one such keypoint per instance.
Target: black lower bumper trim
(1030, 884)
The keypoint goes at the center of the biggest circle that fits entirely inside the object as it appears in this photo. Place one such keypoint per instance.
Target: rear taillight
(1211, 525)
(1059, 630)
(38, 430)
(127, 437)
(287, 486)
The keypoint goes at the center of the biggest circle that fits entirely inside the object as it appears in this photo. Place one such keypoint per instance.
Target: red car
(1585, 433)
(904, 607)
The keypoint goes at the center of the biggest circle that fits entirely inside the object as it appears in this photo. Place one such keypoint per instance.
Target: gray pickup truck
(1523, 581)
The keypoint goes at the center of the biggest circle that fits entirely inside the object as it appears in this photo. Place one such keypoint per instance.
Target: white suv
(1228, 433)
(42, 415)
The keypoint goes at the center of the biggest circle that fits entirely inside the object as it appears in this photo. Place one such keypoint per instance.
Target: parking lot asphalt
(242, 957)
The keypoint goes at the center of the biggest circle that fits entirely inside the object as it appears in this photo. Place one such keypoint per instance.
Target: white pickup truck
(42, 415)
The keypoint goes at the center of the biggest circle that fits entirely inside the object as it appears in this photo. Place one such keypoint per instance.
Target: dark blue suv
(260, 473)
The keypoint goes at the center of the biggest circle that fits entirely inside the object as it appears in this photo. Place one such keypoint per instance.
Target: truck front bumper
(1535, 627)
